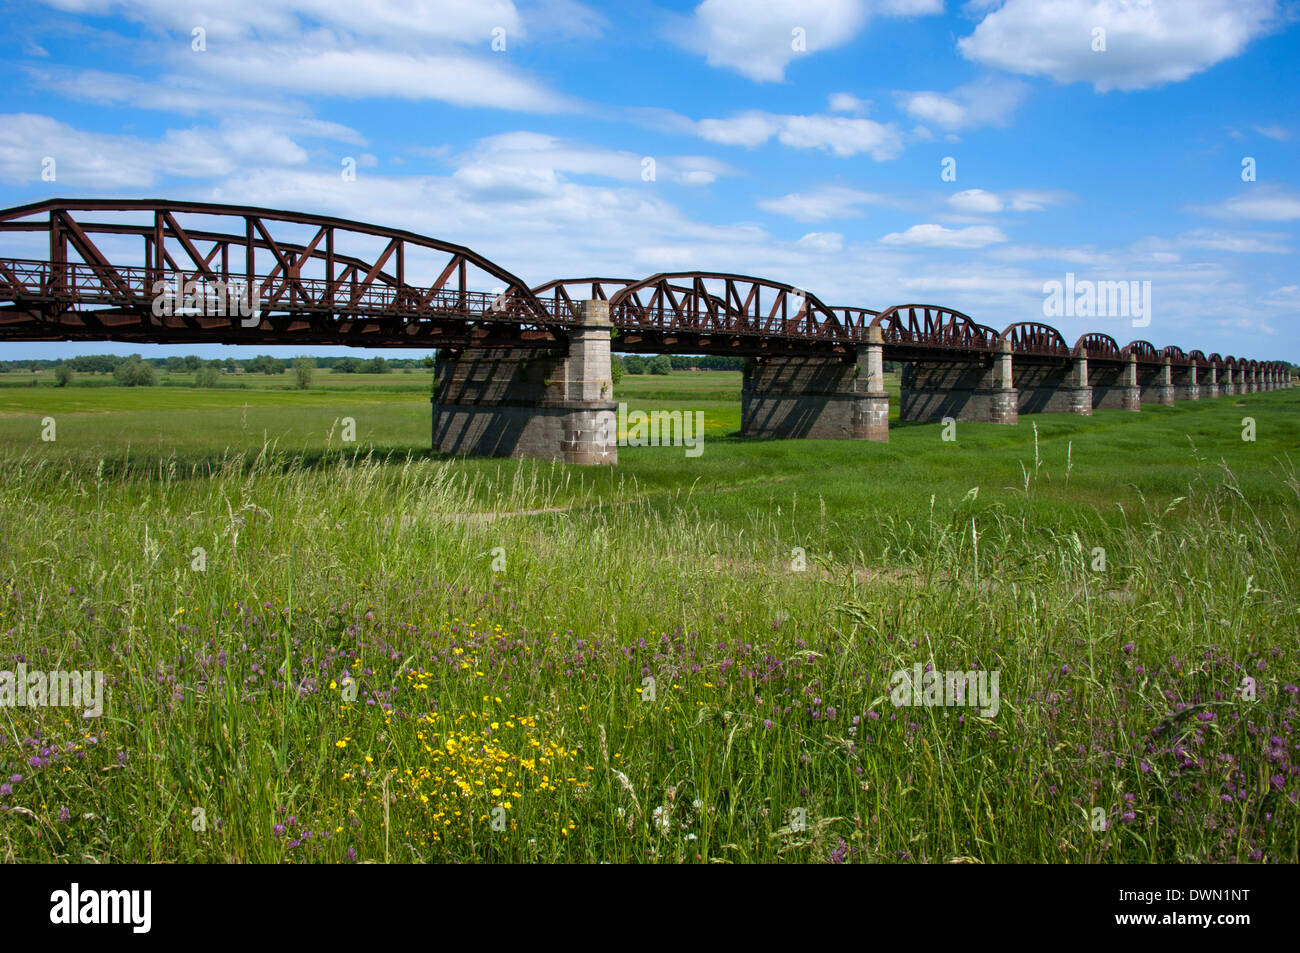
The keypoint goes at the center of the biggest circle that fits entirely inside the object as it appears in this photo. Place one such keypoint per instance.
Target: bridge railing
(193, 292)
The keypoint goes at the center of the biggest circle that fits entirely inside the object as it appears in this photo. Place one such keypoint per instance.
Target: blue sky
(803, 141)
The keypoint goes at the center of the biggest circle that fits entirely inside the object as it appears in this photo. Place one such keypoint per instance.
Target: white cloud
(1147, 44)
(976, 202)
(1252, 243)
(407, 21)
(1257, 202)
(1274, 132)
(982, 202)
(187, 96)
(454, 78)
(822, 204)
(823, 242)
(403, 49)
(104, 161)
(939, 236)
(988, 102)
(840, 135)
(757, 39)
(747, 129)
(532, 160)
(847, 103)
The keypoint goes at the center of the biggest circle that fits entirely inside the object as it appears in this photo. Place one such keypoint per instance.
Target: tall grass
(547, 669)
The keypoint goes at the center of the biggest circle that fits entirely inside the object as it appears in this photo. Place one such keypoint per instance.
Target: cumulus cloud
(822, 204)
(982, 202)
(404, 49)
(839, 135)
(1257, 202)
(759, 40)
(105, 161)
(988, 102)
(518, 158)
(939, 236)
(847, 103)
(1146, 44)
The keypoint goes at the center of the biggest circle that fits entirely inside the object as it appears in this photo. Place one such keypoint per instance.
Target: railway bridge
(525, 371)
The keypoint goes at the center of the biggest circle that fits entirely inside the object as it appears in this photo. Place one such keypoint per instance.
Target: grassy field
(328, 651)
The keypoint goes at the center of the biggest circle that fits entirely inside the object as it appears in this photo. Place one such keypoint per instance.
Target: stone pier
(1210, 382)
(1185, 383)
(819, 398)
(1057, 388)
(1155, 382)
(980, 389)
(1112, 385)
(552, 404)
(1115, 387)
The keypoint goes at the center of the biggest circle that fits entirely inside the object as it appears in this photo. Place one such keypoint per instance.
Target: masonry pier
(820, 397)
(554, 404)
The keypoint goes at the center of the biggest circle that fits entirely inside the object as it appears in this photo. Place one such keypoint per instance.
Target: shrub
(133, 372)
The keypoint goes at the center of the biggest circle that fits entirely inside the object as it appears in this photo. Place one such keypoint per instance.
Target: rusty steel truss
(150, 270)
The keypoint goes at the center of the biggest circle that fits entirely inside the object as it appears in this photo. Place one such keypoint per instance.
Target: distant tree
(176, 365)
(134, 372)
(616, 368)
(207, 377)
(348, 365)
(193, 362)
(231, 365)
(634, 364)
(302, 370)
(63, 374)
(377, 366)
(659, 364)
(265, 364)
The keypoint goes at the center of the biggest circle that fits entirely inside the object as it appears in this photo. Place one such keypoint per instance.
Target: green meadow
(319, 650)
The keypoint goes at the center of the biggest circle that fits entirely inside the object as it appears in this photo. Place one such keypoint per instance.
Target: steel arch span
(1035, 338)
(153, 270)
(720, 312)
(178, 271)
(926, 326)
(1096, 346)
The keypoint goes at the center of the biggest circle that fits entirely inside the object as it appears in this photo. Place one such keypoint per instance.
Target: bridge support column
(554, 404)
(1131, 393)
(1185, 383)
(980, 390)
(818, 398)
(1239, 381)
(1054, 388)
(1210, 384)
(1165, 390)
(874, 406)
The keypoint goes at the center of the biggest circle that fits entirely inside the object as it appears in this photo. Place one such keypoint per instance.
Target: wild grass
(630, 664)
